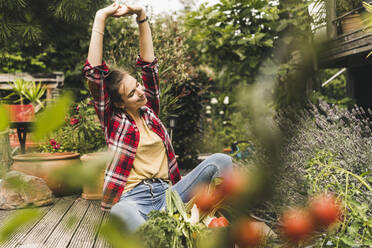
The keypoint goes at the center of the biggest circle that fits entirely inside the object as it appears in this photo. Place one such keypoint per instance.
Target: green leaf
(17, 220)
(179, 204)
(348, 241)
(268, 43)
(53, 117)
(4, 121)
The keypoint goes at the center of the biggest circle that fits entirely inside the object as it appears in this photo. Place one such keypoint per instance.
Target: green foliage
(52, 117)
(343, 6)
(334, 92)
(17, 62)
(4, 121)
(324, 174)
(170, 228)
(25, 90)
(81, 131)
(240, 32)
(44, 36)
(225, 123)
(117, 235)
(327, 148)
(16, 221)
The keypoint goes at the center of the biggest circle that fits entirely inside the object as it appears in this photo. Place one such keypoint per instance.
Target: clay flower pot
(44, 165)
(97, 163)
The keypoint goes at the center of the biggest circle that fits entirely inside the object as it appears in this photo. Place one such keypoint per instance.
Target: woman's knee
(223, 161)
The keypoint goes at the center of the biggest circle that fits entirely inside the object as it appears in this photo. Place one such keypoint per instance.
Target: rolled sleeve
(150, 78)
(97, 87)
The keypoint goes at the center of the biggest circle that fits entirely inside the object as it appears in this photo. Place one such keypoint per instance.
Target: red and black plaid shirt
(121, 132)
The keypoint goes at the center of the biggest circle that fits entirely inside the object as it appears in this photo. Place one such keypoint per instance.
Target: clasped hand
(118, 10)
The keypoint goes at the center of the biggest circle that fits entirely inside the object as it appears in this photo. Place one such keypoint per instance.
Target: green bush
(81, 131)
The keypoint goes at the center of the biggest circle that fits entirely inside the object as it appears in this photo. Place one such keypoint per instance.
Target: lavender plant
(328, 148)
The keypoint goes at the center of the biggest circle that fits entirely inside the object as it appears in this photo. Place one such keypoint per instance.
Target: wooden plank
(64, 231)
(4, 214)
(87, 231)
(41, 231)
(351, 52)
(23, 230)
(352, 44)
(100, 241)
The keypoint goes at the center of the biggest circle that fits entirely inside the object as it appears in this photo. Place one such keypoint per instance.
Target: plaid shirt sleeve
(150, 78)
(95, 76)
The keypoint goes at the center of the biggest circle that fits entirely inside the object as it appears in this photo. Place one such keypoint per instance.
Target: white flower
(208, 107)
(221, 112)
(274, 3)
(214, 100)
(194, 218)
(226, 100)
(224, 122)
(208, 112)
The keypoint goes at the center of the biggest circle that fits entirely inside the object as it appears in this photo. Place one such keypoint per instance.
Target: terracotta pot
(44, 165)
(351, 23)
(97, 163)
(21, 113)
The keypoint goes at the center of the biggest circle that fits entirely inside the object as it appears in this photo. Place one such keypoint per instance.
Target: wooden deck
(70, 222)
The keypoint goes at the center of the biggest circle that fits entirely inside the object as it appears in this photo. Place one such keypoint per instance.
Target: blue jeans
(134, 205)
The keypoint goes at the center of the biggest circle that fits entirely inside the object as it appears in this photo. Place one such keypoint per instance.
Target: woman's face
(132, 93)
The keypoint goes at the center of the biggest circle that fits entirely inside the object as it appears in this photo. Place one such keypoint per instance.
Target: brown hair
(113, 83)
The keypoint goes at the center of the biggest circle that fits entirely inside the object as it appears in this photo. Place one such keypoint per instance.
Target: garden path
(70, 222)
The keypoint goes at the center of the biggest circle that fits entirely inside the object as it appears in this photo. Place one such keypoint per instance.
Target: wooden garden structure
(349, 43)
(53, 81)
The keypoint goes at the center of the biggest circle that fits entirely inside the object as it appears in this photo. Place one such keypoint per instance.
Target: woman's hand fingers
(110, 10)
(122, 11)
(134, 9)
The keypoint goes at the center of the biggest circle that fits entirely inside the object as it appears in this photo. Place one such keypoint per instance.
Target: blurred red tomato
(218, 222)
(248, 233)
(205, 199)
(297, 225)
(325, 209)
(223, 221)
(234, 183)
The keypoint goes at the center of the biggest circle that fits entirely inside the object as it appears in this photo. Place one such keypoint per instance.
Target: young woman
(143, 163)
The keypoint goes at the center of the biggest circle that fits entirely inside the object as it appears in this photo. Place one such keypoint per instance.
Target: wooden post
(331, 15)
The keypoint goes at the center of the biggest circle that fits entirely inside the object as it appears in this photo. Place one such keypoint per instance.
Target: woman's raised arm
(146, 47)
(96, 40)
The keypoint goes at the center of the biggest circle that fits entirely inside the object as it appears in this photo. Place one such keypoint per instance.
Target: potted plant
(82, 133)
(351, 20)
(23, 99)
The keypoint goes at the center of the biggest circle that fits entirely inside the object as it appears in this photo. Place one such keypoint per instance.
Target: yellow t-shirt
(151, 159)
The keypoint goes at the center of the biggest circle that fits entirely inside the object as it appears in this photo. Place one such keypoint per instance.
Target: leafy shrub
(81, 131)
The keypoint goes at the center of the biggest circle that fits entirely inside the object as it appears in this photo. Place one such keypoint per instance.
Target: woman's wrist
(101, 16)
(141, 14)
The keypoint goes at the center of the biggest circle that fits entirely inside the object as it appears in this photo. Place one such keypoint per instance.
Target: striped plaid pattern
(121, 133)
